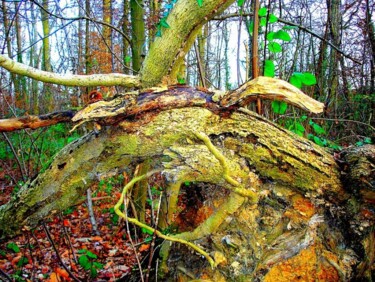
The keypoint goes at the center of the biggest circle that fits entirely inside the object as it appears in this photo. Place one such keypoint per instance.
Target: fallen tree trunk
(272, 201)
(300, 193)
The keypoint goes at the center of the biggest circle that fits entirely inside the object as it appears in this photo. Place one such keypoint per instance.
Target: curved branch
(272, 89)
(111, 79)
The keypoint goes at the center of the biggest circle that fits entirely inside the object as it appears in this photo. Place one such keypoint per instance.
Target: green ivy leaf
(272, 18)
(318, 141)
(84, 262)
(91, 255)
(250, 27)
(128, 59)
(240, 2)
(274, 47)
(14, 247)
(158, 33)
(200, 3)
(367, 140)
(146, 231)
(308, 79)
(263, 21)
(270, 35)
(282, 35)
(299, 127)
(163, 23)
(279, 107)
(317, 128)
(262, 12)
(269, 68)
(23, 261)
(296, 81)
(93, 272)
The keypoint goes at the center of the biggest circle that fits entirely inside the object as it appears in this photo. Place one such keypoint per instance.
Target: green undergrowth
(25, 153)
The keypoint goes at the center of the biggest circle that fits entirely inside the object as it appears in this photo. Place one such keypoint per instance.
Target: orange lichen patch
(203, 213)
(303, 206)
(302, 209)
(306, 266)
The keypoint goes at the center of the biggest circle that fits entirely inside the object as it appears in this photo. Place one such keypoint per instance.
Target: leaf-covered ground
(106, 256)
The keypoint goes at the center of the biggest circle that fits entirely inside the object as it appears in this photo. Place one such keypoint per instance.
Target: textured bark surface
(296, 225)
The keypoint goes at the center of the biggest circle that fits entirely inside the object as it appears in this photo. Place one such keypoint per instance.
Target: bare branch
(235, 15)
(33, 122)
(111, 79)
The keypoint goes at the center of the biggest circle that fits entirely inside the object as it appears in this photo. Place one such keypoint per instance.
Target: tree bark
(301, 196)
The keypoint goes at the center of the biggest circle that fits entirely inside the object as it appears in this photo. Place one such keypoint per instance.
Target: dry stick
(57, 253)
(68, 239)
(131, 240)
(91, 213)
(153, 240)
(31, 255)
(4, 275)
(15, 155)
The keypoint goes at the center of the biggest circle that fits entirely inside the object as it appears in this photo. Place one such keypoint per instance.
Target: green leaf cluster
(163, 21)
(87, 261)
(279, 107)
(298, 79)
(14, 247)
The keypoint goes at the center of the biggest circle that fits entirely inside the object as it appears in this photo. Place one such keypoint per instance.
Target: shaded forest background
(333, 40)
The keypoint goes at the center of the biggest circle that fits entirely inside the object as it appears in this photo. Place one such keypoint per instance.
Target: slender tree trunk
(106, 60)
(138, 33)
(371, 39)
(334, 20)
(8, 42)
(46, 59)
(125, 43)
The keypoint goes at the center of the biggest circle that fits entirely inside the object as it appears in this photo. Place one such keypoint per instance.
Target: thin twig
(68, 239)
(58, 254)
(152, 247)
(131, 241)
(236, 15)
(4, 275)
(91, 213)
(15, 156)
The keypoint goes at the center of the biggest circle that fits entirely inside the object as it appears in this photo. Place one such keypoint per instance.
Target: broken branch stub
(271, 89)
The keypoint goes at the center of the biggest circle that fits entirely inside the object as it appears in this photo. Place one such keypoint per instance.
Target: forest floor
(69, 239)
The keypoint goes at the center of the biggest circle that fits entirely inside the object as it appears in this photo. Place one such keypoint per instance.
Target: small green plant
(87, 261)
(366, 140)
(13, 247)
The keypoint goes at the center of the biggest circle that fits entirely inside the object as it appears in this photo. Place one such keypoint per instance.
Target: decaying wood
(301, 198)
(179, 96)
(34, 122)
(272, 89)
